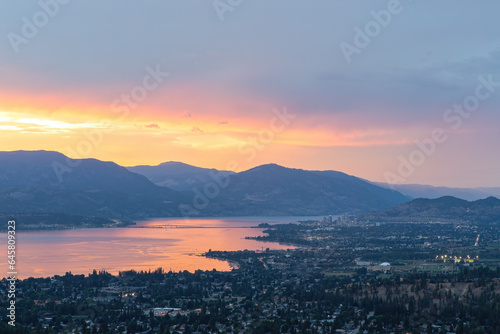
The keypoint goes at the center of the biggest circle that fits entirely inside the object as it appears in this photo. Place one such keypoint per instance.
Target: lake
(153, 243)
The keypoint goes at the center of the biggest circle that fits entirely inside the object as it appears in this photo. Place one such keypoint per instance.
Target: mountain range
(426, 191)
(50, 182)
(275, 190)
(183, 177)
(446, 208)
(44, 183)
(177, 175)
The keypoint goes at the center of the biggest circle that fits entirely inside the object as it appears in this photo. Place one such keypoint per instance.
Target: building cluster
(335, 279)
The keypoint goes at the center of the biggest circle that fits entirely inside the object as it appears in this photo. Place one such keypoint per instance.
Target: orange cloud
(87, 127)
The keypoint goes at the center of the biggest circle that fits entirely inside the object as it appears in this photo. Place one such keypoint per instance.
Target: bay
(171, 243)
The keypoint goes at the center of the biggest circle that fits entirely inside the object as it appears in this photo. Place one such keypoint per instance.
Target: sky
(392, 91)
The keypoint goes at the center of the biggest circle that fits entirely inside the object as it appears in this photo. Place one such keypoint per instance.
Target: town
(338, 276)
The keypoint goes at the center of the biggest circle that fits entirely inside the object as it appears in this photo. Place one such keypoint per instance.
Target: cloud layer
(227, 78)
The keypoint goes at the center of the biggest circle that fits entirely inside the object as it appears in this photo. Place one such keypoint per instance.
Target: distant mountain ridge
(30, 183)
(176, 175)
(275, 190)
(445, 208)
(426, 191)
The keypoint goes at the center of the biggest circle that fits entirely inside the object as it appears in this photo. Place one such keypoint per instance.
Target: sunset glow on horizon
(134, 92)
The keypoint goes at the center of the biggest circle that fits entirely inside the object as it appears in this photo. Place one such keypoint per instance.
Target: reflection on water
(46, 253)
(224, 221)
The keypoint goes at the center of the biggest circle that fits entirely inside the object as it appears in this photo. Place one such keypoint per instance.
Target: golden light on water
(46, 253)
